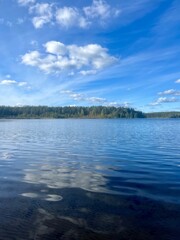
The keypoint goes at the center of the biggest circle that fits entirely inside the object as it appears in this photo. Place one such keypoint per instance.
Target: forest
(68, 112)
(23, 112)
(163, 115)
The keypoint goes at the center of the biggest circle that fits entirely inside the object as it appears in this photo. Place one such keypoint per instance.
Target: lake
(106, 179)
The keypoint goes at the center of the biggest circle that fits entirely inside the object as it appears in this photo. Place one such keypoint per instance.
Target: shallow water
(90, 179)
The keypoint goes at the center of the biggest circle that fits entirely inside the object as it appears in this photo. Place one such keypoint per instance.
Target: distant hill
(163, 115)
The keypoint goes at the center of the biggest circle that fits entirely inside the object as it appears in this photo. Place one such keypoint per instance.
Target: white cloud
(31, 58)
(177, 81)
(69, 16)
(77, 96)
(22, 84)
(96, 100)
(89, 72)
(83, 97)
(43, 12)
(170, 92)
(54, 47)
(113, 104)
(100, 9)
(59, 57)
(26, 2)
(66, 16)
(117, 104)
(164, 100)
(80, 97)
(7, 82)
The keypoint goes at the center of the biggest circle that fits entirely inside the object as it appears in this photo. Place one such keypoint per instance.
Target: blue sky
(90, 52)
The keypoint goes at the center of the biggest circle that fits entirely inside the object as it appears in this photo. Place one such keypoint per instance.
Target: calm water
(90, 179)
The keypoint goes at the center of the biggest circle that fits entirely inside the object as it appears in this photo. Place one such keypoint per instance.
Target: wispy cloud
(22, 84)
(60, 57)
(117, 104)
(26, 2)
(169, 21)
(10, 82)
(8, 76)
(88, 72)
(20, 21)
(177, 81)
(5, 22)
(80, 97)
(170, 92)
(164, 100)
(7, 82)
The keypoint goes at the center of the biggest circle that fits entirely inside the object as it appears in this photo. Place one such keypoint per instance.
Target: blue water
(90, 179)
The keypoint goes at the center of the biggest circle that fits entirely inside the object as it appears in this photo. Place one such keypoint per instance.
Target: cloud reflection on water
(46, 197)
(62, 176)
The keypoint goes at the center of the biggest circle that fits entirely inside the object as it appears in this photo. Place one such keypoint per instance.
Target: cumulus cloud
(164, 100)
(83, 18)
(56, 48)
(69, 16)
(59, 57)
(100, 9)
(170, 92)
(177, 81)
(43, 12)
(31, 58)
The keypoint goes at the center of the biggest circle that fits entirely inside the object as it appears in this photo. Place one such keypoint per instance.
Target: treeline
(79, 112)
(68, 112)
(163, 115)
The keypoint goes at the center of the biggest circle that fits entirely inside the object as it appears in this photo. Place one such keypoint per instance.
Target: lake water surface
(90, 179)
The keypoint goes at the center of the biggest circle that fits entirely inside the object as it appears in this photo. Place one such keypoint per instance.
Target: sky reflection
(65, 177)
